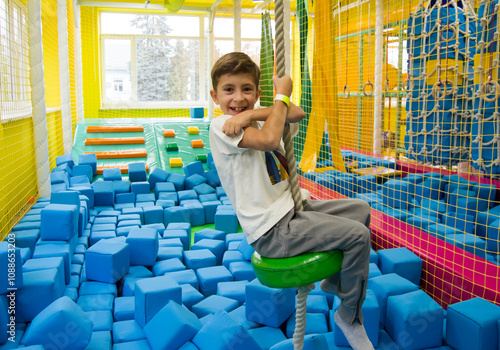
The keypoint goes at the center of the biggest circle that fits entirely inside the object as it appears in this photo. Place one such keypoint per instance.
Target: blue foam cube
(178, 180)
(176, 214)
(401, 261)
(39, 291)
(233, 290)
(111, 174)
(212, 304)
(195, 259)
(388, 285)
(55, 250)
(217, 247)
(56, 262)
(472, 324)
(315, 323)
(196, 213)
(222, 332)
(84, 169)
(104, 193)
(197, 112)
(182, 326)
(190, 295)
(88, 159)
(137, 172)
(107, 261)
(209, 277)
(418, 317)
(124, 308)
(127, 331)
(209, 233)
(157, 175)
(61, 325)
(180, 234)
(163, 266)
(268, 306)
(152, 294)
(8, 258)
(232, 256)
(59, 222)
(153, 215)
(143, 244)
(242, 270)
(195, 167)
(96, 302)
(226, 220)
(184, 277)
(100, 340)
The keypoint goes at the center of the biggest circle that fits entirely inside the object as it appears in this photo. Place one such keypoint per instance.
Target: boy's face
(236, 93)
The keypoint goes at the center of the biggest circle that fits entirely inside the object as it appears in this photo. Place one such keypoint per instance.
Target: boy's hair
(234, 63)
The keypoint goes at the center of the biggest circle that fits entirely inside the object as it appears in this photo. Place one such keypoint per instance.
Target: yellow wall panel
(90, 61)
(18, 174)
(54, 136)
(50, 53)
(72, 64)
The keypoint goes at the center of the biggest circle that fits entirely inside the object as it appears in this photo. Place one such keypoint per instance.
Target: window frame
(134, 103)
(17, 82)
(204, 71)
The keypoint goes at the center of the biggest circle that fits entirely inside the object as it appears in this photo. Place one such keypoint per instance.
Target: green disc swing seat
(296, 271)
(300, 272)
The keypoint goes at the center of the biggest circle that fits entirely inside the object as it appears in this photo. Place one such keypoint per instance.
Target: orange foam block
(120, 154)
(197, 143)
(193, 130)
(95, 129)
(115, 141)
(123, 168)
(168, 133)
(175, 162)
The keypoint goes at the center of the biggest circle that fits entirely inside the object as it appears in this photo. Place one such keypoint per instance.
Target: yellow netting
(72, 64)
(18, 177)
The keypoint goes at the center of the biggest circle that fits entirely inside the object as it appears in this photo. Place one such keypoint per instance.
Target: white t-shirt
(259, 204)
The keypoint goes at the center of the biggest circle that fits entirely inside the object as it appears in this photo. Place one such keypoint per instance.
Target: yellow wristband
(283, 98)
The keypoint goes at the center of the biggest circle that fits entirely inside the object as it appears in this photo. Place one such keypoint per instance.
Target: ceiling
(187, 6)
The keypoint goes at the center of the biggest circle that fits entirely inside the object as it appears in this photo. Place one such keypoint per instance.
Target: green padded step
(298, 270)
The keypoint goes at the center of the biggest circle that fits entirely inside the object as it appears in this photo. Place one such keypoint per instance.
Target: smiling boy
(242, 142)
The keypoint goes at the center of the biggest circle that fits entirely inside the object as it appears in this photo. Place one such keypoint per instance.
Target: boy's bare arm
(234, 125)
(268, 138)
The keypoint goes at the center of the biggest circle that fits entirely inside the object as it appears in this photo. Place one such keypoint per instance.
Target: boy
(265, 210)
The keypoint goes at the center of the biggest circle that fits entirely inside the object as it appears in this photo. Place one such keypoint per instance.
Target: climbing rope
(287, 138)
(298, 337)
(300, 317)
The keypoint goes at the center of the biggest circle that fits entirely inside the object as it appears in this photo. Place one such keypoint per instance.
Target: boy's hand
(234, 125)
(283, 85)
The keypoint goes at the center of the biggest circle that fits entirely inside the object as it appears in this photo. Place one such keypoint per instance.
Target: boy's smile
(236, 93)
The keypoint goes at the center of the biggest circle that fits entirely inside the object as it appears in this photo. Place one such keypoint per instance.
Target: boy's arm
(234, 125)
(268, 138)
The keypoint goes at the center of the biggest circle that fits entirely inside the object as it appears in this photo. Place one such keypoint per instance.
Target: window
(118, 85)
(250, 37)
(151, 60)
(160, 60)
(15, 96)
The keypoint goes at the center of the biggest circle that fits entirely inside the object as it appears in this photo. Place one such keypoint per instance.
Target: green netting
(305, 78)
(266, 62)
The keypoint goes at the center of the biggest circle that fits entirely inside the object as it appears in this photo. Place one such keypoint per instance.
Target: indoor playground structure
(117, 234)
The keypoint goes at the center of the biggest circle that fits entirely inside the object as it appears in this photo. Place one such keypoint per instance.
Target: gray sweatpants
(326, 225)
